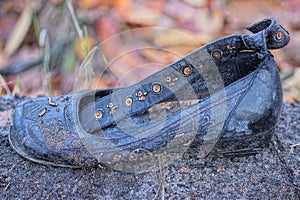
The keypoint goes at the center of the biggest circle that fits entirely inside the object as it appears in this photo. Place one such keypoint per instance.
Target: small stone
(221, 169)
(182, 170)
(186, 156)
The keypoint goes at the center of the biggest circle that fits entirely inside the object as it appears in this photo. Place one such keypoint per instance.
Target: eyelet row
(156, 88)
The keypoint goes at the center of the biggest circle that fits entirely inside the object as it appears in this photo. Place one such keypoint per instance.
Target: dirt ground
(272, 174)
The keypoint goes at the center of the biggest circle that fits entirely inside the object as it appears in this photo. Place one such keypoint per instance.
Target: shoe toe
(41, 134)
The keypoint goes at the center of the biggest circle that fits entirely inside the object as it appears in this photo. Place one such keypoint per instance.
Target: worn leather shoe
(221, 99)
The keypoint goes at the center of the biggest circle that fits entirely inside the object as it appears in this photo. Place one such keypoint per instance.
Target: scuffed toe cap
(40, 133)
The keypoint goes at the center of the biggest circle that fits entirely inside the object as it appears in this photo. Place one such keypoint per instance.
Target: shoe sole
(261, 138)
(20, 150)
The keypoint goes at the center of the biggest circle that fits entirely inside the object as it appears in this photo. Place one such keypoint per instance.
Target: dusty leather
(223, 98)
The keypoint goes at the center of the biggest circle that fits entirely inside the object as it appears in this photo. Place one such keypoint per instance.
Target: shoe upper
(225, 90)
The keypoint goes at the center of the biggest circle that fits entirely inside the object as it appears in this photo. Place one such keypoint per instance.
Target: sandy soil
(272, 174)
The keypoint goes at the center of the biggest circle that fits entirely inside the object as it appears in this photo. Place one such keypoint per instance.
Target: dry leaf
(139, 15)
(209, 23)
(291, 87)
(176, 37)
(7, 24)
(197, 3)
(4, 60)
(57, 2)
(107, 27)
(20, 30)
(89, 4)
(167, 55)
(289, 98)
(81, 46)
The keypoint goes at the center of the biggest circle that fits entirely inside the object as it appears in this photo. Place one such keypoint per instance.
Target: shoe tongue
(175, 83)
(87, 108)
(199, 74)
(87, 120)
(179, 82)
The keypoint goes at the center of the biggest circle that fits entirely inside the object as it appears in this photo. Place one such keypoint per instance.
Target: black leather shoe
(222, 99)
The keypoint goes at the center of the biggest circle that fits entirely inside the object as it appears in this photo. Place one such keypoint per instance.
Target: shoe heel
(244, 145)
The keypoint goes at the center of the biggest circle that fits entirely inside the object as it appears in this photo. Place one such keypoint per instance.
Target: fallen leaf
(82, 46)
(139, 15)
(166, 55)
(208, 23)
(89, 4)
(57, 2)
(86, 4)
(20, 30)
(291, 87)
(197, 3)
(180, 11)
(7, 24)
(107, 27)
(289, 98)
(175, 37)
(4, 60)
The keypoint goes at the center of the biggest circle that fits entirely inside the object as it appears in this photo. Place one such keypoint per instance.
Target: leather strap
(185, 77)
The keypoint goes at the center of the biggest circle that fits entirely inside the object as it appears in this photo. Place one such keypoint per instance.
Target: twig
(45, 44)
(19, 32)
(86, 80)
(282, 160)
(163, 184)
(5, 86)
(293, 147)
(6, 187)
(12, 167)
(74, 19)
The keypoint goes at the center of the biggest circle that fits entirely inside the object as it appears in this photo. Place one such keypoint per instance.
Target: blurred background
(45, 45)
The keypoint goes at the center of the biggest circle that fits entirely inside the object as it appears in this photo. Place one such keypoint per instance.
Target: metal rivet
(139, 93)
(113, 110)
(156, 88)
(187, 70)
(217, 54)
(128, 101)
(279, 35)
(229, 47)
(98, 115)
(110, 105)
(142, 98)
(168, 79)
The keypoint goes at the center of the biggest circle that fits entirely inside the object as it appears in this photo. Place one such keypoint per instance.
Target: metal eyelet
(128, 101)
(279, 35)
(98, 115)
(187, 70)
(168, 79)
(217, 54)
(156, 88)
